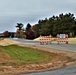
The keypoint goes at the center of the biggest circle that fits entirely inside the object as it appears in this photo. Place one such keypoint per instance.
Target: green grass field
(25, 55)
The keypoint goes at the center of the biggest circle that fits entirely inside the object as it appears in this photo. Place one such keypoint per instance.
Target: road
(71, 70)
(65, 71)
(65, 47)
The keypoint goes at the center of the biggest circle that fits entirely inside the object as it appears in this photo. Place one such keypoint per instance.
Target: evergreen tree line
(62, 24)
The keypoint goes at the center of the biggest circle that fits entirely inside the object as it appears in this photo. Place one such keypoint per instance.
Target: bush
(30, 34)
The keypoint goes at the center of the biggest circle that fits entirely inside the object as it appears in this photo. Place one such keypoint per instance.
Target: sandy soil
(61, 60)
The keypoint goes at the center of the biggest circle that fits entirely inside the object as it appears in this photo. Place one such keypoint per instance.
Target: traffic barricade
(45, 40)
(62, 38)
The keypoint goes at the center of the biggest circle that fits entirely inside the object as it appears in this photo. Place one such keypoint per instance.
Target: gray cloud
(13, 11)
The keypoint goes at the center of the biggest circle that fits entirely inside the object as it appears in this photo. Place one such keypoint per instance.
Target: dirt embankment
(61, 59)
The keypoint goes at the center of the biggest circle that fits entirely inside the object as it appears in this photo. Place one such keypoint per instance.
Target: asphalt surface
(71, 70)
(54, 45)
(65, 71)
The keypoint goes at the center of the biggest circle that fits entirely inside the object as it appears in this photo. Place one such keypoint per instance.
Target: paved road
(67, 47)
(65, 71)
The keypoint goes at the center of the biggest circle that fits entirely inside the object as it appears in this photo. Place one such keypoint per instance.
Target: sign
(62, 36)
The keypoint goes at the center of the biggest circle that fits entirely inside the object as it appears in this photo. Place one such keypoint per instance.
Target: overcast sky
(30, 11)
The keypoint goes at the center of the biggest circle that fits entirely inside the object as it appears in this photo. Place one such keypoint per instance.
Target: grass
(25, 55)
(72, 40)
